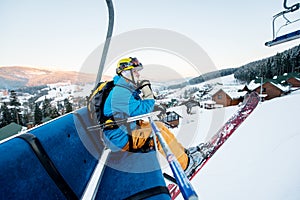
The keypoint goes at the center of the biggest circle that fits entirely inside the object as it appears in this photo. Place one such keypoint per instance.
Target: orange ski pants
(139, 137)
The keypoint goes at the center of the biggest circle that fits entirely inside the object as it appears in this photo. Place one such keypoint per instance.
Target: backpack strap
(126, 87)
(111, 123)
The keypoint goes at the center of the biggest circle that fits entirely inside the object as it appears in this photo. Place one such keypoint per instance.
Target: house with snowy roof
(228, 96)
(172, 119)
(292, 79)
(268, 89)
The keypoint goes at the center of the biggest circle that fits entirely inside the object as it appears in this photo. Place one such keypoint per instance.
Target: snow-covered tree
(38, 115)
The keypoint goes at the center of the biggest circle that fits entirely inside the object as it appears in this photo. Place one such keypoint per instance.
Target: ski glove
(143, 83)
(145, 87)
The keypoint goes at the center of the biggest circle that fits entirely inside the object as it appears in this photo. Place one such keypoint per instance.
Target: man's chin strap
(132, 78)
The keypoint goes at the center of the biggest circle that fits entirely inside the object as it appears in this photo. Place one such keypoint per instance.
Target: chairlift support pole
(108, 38)
(287, 37)
(94, 183)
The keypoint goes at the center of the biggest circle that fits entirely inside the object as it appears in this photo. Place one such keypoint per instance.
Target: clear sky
(62, 33)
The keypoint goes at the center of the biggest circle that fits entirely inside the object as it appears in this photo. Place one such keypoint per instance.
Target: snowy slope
(259, 161)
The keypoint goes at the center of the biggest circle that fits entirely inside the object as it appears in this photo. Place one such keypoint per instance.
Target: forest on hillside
(277, 65)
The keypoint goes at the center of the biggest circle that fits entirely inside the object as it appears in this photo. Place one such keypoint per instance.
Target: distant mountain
(16, 77)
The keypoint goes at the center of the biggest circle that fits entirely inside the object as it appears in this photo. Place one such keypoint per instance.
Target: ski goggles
(132, 63)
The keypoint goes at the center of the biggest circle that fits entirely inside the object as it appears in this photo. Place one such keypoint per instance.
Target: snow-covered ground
(259, 161)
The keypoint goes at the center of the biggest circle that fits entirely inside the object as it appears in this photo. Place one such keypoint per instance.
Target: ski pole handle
(185, 186)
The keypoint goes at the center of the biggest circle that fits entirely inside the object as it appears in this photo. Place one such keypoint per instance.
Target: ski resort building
(228, 97)
(172, 119)
(208, 104)
(294, 81)
(269, 89)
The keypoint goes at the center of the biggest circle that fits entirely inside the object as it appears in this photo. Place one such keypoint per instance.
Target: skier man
(125, 101)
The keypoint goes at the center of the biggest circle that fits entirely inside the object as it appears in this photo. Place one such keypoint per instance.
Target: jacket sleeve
(139, 107)
(122, 100)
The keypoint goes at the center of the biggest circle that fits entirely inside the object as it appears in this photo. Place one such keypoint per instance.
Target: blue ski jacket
(123, 101)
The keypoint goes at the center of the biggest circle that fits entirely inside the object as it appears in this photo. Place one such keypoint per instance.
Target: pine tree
(46, 108)
(278, 65)
(68, 106)
(268, 70)
(54, 113)
(27, 115)
(6, 117)
(14, 102)
(287, 64)
(38, 115)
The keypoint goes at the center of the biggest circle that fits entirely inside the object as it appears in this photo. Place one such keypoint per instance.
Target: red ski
(217, 140)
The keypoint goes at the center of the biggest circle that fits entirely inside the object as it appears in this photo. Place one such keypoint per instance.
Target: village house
(269, 89)
(288, 79)
(208, 104)
(294, 81)
(172, 119)
(228, 97)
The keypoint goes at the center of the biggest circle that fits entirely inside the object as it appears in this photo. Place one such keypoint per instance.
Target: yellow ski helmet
(128, 64)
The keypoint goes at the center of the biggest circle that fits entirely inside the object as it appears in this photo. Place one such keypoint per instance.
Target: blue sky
(62, 33)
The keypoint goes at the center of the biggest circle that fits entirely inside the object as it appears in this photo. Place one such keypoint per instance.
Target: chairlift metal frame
(287, 37)
(111, 17)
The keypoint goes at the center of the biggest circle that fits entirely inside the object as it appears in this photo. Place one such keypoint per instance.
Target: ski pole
(154, 139)
(122, 121)
(184, 184)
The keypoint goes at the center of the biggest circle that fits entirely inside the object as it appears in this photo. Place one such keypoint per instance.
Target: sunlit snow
(259, 161)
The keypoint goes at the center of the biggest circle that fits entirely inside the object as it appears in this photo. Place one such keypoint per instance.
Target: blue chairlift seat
(284, 38)
(57, 159)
